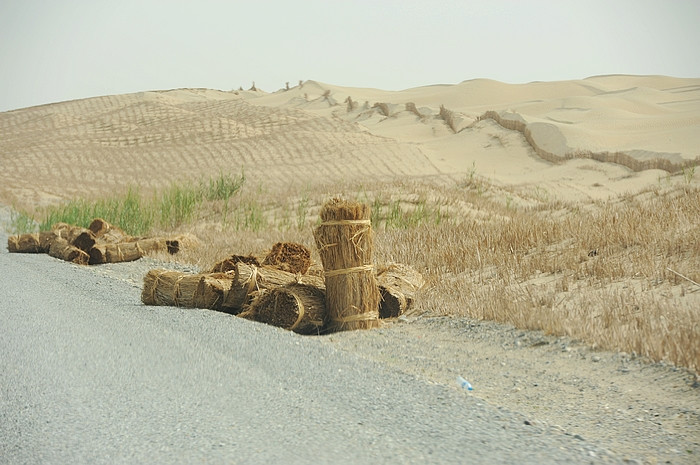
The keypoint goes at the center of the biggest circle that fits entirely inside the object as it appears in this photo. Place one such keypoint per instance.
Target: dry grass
(615, 274)
(600, 273)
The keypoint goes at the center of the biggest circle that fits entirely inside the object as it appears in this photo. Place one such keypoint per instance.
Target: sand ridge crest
(155, 137)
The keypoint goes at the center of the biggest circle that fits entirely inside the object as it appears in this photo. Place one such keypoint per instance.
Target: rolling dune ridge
(319, 134)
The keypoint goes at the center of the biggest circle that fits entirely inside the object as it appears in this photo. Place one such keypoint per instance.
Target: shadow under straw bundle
(344, 241)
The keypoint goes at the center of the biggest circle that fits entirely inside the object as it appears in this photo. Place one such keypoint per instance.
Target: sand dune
(620, 133)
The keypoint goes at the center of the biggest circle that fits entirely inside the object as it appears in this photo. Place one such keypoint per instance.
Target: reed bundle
(229, 264)
(297, 307)
(107, 232)
(61, 248)
(166, 287)
(250, 278)
(344, 241)
(398, 285)
(129, 251)
(31, 243)
(290, 257)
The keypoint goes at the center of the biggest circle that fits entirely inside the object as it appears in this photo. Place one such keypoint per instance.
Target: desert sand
(318, 133)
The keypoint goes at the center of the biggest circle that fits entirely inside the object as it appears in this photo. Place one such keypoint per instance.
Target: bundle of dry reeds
(61, 248)
(229, 264)
(100, 243)
(31, 243)
(398, 285)
(248, 279)
(290, 257)
(297, 307)
(166, 287)
(344, 241)
(130, 251)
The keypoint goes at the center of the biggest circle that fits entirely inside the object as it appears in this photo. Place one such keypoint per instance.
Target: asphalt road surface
(88, 374)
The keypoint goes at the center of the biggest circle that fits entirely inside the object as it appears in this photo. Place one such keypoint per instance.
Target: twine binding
(139, 249)
(345, 222)
(155, 288)
(354, 269)
(300, 305)
(373, 315)
(252, 281)
(176, 289)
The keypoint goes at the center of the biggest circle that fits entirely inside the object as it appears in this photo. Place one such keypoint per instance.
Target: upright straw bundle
(344, 241)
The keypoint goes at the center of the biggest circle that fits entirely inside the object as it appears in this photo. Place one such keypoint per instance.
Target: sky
(56, 50)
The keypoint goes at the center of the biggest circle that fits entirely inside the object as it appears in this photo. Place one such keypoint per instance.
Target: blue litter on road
(464, 383)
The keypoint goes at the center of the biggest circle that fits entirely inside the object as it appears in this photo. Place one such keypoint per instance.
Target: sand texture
(517, 135)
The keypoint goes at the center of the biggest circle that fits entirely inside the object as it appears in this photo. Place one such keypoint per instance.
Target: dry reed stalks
(130, 251)
(84, 241)
(290, 257)
(398, 285)
(61, 248)
(31, 243)
(165, 287)
(106, 232)
(297, 307)
(344, 241)
(249, 279)
(229, 264)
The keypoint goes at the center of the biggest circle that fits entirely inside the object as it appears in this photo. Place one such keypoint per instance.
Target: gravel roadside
(634, 410)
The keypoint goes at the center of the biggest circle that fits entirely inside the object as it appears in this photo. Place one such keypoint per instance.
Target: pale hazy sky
(54, 50)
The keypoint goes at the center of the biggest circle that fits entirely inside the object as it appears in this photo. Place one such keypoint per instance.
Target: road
(88, 374)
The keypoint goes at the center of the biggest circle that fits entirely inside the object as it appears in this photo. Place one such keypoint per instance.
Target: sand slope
(320, 133)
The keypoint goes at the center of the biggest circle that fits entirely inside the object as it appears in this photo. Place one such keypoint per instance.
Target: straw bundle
(290, 257)
(344, 241)
(61, 248)
(165, 287)
(31, 243)
(398, 285)
(229, 264)
(250, 278)
(67, 231)
(394, 303)
(298, 307)
(130, 251)
(106, 232)
(84, 241)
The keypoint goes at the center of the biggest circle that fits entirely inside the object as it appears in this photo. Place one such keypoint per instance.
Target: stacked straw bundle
(31, 243)
(297, 307)
(344, 241)
(229, 263)
(248, 280)
(229, 292)
(166, 287)
(290, 257)
(398, 285)
(99, 243)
